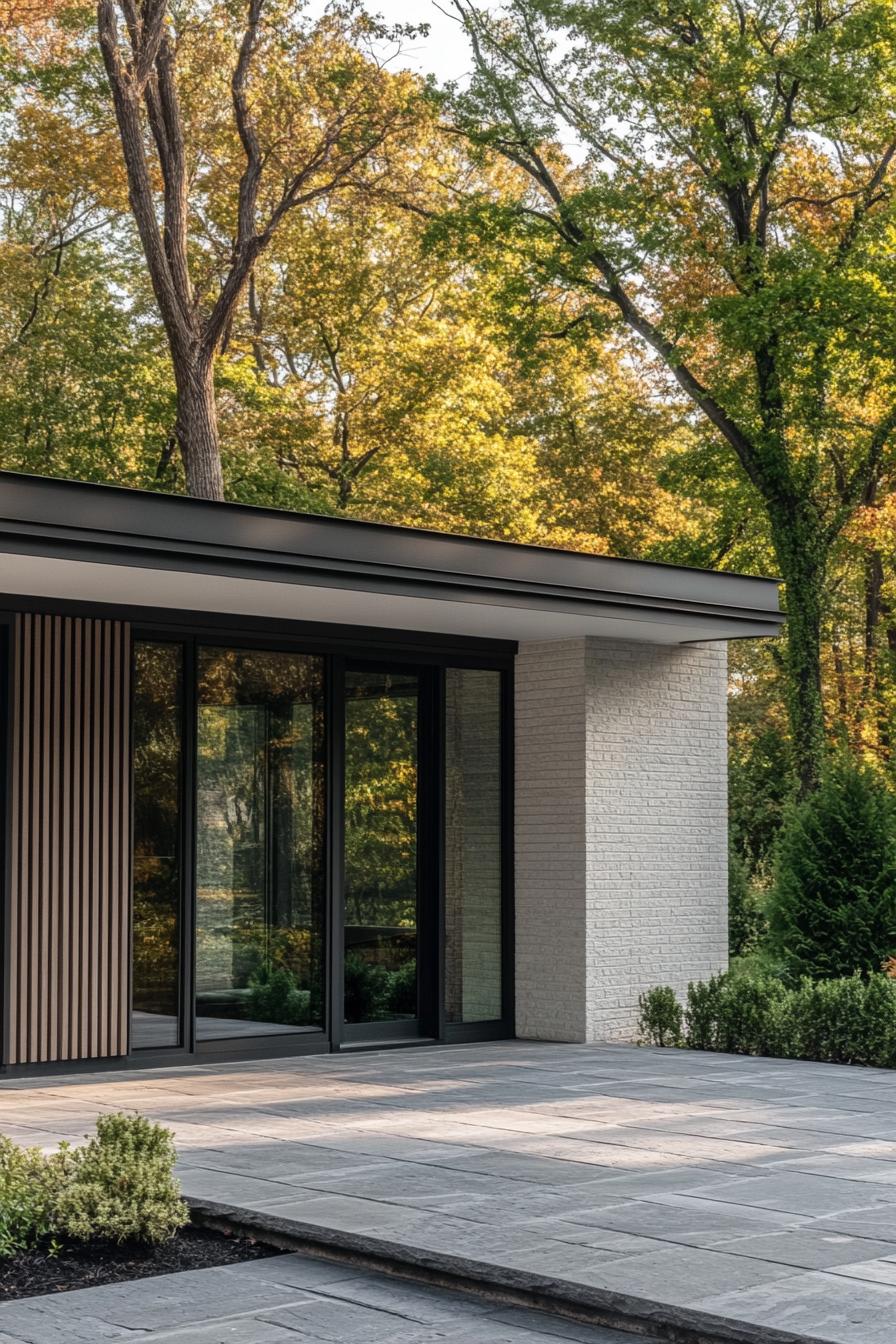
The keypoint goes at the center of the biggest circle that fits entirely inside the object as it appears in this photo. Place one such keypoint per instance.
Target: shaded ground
(758, 1191)
(282, 1301)
(87, 1264)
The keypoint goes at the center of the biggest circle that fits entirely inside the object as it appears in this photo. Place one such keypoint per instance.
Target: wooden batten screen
(69, 840)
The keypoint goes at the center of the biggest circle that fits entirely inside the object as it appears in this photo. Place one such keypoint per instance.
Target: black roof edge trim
(187, 502)
(103, 548)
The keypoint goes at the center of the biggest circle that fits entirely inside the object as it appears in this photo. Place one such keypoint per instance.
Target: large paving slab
(281, 1301)
(758, 1192)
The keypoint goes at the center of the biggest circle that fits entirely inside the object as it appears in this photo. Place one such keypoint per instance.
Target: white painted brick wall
(621, 850)
(550, 861)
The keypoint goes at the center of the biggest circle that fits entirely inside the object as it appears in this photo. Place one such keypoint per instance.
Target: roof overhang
(70, 541)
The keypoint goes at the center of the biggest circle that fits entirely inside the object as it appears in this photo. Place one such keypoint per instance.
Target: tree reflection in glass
(259, 850)
(381, 849)
(157, 748)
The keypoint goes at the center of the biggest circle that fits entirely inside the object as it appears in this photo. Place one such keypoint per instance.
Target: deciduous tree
(310, 115)
(729, 205)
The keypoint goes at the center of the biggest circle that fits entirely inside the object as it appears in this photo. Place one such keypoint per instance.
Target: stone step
(652, 1322)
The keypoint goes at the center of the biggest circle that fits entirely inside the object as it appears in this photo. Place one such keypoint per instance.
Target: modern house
(278, 784)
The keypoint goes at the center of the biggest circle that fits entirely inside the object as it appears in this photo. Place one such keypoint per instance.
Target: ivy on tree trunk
(728, 208)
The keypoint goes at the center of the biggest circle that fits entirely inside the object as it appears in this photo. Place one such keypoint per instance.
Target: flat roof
(71, 540)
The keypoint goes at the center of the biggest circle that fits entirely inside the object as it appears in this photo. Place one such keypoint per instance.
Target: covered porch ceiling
(102, 545)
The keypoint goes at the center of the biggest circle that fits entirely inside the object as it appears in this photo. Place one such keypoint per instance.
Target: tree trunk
(885, 718)
(870, 702)
(802, 555)
(196, 427)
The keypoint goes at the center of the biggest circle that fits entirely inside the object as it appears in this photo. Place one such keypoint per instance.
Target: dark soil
(88, 1264)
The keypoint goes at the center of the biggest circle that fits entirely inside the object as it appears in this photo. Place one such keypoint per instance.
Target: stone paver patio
(758, 1192)
(282, 1301)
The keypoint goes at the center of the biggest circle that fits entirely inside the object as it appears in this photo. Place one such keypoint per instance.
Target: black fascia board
(109, 524)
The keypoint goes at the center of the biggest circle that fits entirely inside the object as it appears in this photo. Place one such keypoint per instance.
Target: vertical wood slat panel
(35, 826)
(69, 829)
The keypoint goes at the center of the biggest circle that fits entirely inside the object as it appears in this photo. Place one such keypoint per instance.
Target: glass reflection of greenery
(157, 746)
(275, 996)
(260, 799)
(373, 993)
(381, 779)
(381, 800)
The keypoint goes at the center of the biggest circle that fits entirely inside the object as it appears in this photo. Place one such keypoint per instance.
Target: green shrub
(750, 1015)
(879, 1022)
(120, 1185)
(660, 1017)
(29, 1187)
(822, 1011)
(274, 996)
(784, 1037)
(832, 908)
(847, 1021)
(702, 1013)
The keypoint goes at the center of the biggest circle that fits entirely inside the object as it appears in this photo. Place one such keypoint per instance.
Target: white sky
(444, 53)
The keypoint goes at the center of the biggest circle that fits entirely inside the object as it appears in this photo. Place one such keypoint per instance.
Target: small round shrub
(660, 1017)
(30, 1183)
(749, 1020)
(120, 1185)
(702, 1013)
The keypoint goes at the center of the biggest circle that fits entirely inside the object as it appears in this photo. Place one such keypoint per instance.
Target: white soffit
(182, 589)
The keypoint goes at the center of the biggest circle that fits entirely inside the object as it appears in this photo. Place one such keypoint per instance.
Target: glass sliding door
(382, 849)
(259, 921)
(156, 1002)
(317, 848)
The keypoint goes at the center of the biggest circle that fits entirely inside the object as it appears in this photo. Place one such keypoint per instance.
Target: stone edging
(499, 1283)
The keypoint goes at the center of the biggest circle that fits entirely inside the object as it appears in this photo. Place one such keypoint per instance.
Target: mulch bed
(89, 1264)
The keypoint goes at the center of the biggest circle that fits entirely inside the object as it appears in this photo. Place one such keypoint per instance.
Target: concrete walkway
(721, 1189)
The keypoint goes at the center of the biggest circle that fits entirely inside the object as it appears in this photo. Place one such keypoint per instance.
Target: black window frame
(338, 646)
(348, 650)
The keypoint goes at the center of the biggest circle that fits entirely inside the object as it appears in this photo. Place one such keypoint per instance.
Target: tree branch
(126, 95)
(864, 478)
(867, 201)
(245, 125)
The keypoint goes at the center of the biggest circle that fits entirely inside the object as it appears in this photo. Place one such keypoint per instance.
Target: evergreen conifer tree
(832, 909)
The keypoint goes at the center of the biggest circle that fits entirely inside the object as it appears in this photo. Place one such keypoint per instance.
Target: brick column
(621, 820)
